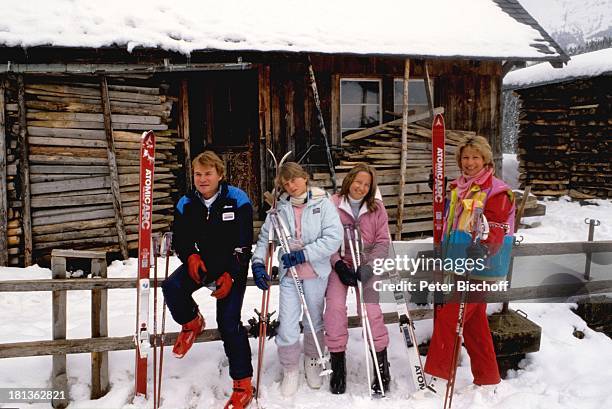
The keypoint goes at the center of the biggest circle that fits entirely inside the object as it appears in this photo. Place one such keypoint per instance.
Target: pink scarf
(464, 183)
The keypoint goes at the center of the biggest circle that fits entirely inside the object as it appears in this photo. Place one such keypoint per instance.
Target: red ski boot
(242, 395)
(187, 335)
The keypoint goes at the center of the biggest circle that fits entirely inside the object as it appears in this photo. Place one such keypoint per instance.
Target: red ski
(147, 169)
(438, 190)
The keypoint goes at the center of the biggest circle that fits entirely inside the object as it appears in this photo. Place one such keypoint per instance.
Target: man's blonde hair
(478, 143)
(209, 159)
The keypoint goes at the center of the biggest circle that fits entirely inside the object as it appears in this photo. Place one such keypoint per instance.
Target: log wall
(565, 138)
(69, 160)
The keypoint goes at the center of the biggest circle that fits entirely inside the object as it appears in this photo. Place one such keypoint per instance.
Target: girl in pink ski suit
(359, 209)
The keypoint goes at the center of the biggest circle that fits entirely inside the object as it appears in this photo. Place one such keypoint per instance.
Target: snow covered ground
(566, 373)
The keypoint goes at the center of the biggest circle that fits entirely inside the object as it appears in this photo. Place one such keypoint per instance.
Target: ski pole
(354, 245)
(283, 235)
(263, 315)
(155, 242)
(450, 385)
(166, 251)
(358, 247)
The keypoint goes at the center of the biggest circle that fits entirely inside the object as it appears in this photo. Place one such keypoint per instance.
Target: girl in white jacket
(316, 234)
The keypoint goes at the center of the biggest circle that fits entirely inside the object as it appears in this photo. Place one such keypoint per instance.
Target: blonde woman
(316, 234)
(477, 187)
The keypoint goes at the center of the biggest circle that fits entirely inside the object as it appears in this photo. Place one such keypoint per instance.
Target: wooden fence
(100, 343)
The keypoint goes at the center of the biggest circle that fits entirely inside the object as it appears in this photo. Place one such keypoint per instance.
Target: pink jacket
(373, 227)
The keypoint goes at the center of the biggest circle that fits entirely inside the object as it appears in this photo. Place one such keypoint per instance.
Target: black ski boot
(383, 365)
(337, 383)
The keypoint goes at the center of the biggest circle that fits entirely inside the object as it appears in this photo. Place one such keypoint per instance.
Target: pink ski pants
(336, 321)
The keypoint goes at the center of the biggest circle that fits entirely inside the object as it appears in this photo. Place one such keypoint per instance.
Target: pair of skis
(149, 245)
(406, 324)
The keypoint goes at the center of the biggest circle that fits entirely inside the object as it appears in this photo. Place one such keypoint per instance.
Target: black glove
(345, 273)
(477, 251)
(364, 273)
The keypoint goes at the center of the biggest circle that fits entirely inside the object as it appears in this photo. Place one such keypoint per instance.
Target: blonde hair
(370, 197)
(210, 159)
(480, 144)
(288, 171)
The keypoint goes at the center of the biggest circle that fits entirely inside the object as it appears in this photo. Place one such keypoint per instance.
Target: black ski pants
(178, 289)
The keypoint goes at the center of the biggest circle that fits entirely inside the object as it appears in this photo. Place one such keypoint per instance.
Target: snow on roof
(585, 65)
(442, 28)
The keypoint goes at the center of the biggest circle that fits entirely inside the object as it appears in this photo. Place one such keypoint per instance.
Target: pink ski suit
(375, 236)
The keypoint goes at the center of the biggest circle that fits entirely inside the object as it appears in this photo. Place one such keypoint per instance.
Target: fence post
(99, 328)
(587, 267)
(59, 378)
(517, 240)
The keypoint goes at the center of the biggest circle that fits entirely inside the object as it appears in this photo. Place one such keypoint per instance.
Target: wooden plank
(183, 128)
(67, 133)
(404, 154)
(375, 129)
(85, 345)
(72, 169)
(99, 328)
(428, 90)
(67, 106)
(25, 174)
(58, 201)
(78, 253)
(89, 117)
(521, 210)
(4, 257)
(112, 166)
(97, 125)
(60, 90)
(413, 227)
(263, 85)
(59, 376)
(85, 183)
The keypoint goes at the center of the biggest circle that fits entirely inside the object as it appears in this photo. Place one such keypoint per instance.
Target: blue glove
(293, 258)
(260, 276)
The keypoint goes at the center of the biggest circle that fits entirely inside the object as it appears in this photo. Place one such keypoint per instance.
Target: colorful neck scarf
(465, 183)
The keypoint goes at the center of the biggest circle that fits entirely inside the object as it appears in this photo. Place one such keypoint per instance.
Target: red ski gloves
(224, 286)
(194, 266)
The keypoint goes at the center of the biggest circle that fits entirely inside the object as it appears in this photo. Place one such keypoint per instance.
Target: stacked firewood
(543, 142)
(564, 139)
(590, 147)
(382, 149)
(70, 178)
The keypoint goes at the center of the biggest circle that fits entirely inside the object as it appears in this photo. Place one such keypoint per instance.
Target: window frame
(380, 101)
(422, 80)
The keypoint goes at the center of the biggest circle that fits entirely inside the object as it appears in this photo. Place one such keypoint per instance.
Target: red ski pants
(476, 338)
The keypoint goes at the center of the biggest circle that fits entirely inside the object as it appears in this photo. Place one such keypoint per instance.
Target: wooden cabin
(71, 115)
(564, 143)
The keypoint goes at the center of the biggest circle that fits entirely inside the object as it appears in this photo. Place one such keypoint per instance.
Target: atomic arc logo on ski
(439, 176)
(146, 200)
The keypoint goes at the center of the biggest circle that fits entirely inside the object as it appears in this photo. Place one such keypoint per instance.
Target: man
(213, 234)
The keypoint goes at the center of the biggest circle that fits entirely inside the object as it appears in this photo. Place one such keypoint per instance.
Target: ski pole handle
(155, 243)
(166, 244)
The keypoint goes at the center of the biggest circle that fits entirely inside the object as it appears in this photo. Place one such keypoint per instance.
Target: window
(360, 104)
(417, 98)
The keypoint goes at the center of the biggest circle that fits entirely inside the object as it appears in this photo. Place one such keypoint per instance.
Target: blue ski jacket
(221, 235)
